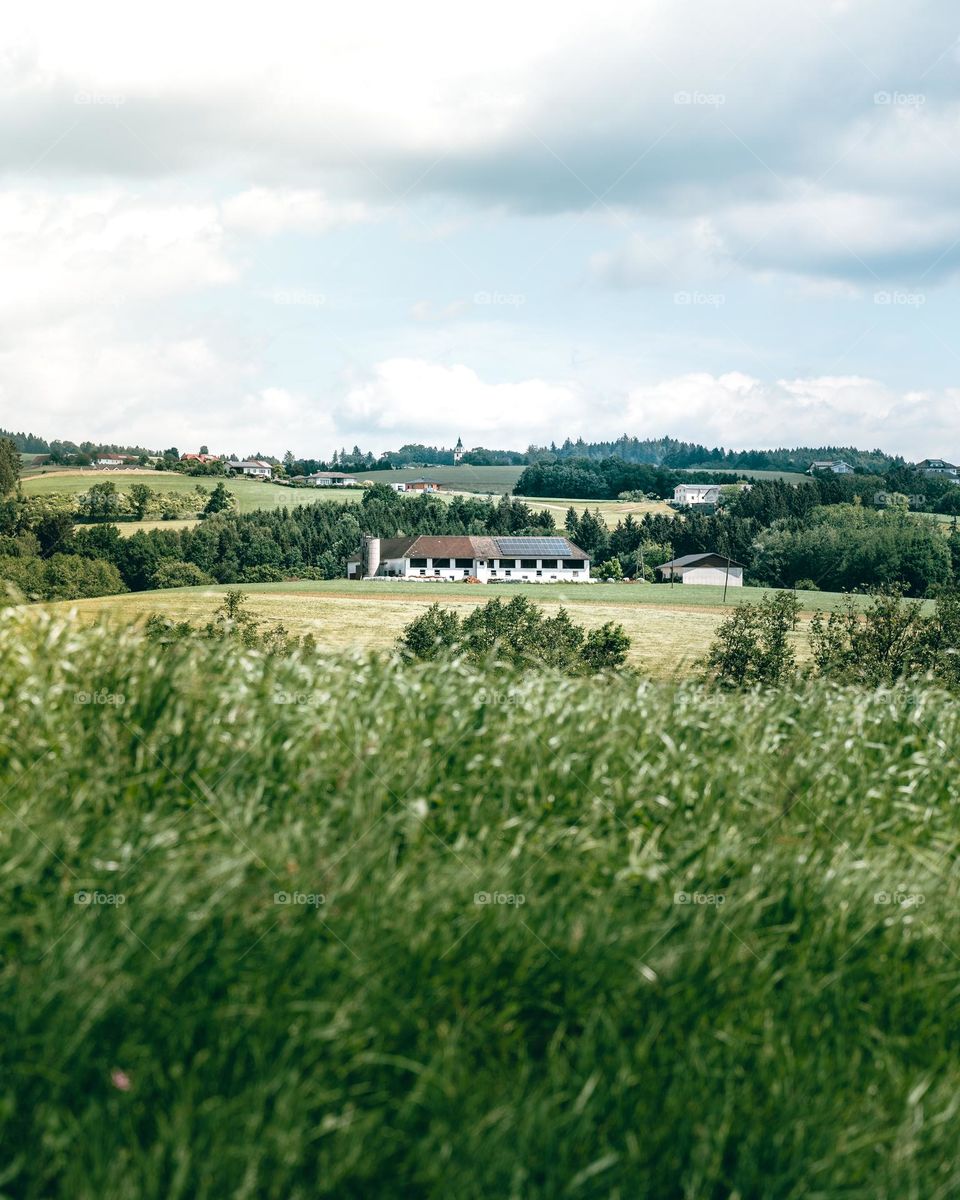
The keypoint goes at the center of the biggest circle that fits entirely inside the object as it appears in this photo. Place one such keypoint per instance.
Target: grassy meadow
(670, 627)
(251, 494)
(330, 927)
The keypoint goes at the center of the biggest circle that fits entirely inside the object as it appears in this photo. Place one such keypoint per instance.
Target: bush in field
(220, 501)
(752, 645)
(297, 927)
(173, 574)
(231, 622)
(515, 632)
(892, 640)
(611, 569)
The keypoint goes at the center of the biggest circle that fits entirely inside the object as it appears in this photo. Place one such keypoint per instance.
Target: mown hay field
(670, 627)
(327, 927)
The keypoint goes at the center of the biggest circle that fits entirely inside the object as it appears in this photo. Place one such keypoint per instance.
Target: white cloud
(268, 211)
(418, 400)
(83, 252)
(739, 411)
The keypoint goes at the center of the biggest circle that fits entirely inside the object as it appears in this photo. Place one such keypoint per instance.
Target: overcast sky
(294, 225)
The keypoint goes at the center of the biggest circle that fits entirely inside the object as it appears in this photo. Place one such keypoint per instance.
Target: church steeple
(458, 452)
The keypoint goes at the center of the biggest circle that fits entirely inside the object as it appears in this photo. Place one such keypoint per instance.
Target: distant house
(109, 460)
(487, 559)
(200, 458)
(256, 468)
(835, 465)
(690, 495)
(703, 568)
(939, 467)
(332, 479)
(419, 485)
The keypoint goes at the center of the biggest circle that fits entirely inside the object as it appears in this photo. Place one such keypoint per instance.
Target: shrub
(517, 633)
(174, 574)
(752, 645)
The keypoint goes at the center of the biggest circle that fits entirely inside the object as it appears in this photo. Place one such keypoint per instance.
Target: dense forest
(668, 452)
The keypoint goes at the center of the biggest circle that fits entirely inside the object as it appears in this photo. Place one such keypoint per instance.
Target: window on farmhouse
(418, 562)
(573, 564)
(528, 564)
(464, 562)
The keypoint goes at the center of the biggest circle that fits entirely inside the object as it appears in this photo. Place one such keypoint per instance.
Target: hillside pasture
(252, 495)
(670, 628)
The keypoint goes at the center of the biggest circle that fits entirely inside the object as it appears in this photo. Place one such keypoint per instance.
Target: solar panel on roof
(549, 546)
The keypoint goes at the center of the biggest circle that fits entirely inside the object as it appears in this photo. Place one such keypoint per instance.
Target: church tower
(458, 452)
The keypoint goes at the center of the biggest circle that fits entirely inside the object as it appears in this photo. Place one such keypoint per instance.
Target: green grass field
(251, 495)
(334, 928)
(670, 628)
(789, 476)
(491, 480)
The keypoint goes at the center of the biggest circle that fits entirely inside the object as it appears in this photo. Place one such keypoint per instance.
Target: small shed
(704, 568)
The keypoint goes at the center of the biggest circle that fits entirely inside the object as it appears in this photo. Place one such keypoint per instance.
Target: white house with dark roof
(707, 568)
(332, 479)
(939, 467)
(255, 467)
(695, 495)
(836, 466)
(488, 559)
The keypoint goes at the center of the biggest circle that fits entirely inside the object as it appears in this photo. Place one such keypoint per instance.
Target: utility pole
(726, 580)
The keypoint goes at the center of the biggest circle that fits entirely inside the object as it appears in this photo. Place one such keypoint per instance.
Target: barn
(704, 568)
(486, 559)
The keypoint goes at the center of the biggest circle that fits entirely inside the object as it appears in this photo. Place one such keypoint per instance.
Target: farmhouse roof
(688, 560)
(473, 546)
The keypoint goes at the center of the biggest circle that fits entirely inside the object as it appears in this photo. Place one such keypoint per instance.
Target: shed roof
(689, 560)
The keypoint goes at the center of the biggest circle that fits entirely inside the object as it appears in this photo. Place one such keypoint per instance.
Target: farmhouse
(109, 460)
(939, 466)
(256, 467)
(332, 479)
(836, 465)
(703, 568)
(690, 495)
(200, 458)
(488, 559)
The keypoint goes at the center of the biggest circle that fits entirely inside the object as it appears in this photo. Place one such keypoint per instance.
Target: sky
(271, 227)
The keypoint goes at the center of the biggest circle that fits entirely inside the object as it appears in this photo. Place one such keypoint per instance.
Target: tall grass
(733, 972)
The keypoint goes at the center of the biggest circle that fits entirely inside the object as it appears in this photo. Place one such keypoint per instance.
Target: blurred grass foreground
(301, 927)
